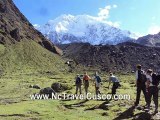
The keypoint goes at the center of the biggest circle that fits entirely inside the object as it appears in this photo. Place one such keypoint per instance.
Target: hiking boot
(155, 111)
(147, 109)
(135, 104)
(139, 107)
(145, 106)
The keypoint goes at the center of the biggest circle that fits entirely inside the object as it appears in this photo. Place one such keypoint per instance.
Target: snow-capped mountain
(83, 28)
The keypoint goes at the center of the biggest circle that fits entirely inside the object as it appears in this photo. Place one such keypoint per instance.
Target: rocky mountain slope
(121, 57)
(14, 27)
(83, 28)
(22, 47)
(150, 40)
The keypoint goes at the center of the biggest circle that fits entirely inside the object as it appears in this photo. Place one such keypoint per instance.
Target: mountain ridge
(83, 28)
(121, 57)
(149, 40)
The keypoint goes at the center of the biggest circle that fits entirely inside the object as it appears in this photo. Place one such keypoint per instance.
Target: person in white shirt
(115, 82)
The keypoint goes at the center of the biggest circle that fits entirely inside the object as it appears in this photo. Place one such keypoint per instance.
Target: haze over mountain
(83, 28)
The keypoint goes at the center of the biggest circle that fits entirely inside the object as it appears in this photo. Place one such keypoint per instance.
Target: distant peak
(84, 28)
(66, 16)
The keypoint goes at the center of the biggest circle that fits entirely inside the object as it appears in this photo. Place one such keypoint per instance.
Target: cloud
(104, 12)
(36, 26)
(138, 34)
(103, 15)
(114, 6)
(154, 29)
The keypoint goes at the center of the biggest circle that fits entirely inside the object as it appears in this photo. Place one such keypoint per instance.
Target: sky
(139, 16)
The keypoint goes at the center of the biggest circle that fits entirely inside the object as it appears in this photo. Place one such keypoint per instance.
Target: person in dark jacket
(78, 84)
(152, 87)
(140, 84)
(97, 83)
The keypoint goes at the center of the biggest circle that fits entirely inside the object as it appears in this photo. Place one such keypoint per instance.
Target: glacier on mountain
(83, 28)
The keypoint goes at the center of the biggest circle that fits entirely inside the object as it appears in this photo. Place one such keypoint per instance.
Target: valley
(32, 63)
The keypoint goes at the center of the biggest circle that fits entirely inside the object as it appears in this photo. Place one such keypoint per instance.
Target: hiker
(78, 84)
(86, 79)
(115, 82)
(140, 84)
(97, 83)
(152, 87)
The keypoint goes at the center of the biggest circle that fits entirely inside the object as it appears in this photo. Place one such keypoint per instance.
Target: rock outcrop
(15, 27)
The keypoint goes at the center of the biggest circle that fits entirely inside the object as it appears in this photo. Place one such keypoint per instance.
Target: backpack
(98, 79)
(141, 76)
(117, 85)
(86, 77)
(78, 80)
(155, 79)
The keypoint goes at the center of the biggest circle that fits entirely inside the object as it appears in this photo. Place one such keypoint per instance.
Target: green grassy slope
(27, 63)
(15, 102)
(28, 56)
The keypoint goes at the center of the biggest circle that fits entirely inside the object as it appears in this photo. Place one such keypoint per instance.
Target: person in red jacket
(86, 79)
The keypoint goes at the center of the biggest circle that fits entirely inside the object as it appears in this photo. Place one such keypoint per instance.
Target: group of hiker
(145, 81)
(97, 81)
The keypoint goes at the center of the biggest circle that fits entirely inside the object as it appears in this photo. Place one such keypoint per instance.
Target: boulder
(2, 41)
(105, 114)
(15, 34)
(3, 8)
(57, 87)
(47, 91)
(36, 87)
(50, 46)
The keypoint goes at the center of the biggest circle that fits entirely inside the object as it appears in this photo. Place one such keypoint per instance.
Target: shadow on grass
(102, 106)
(129, 113)
(17, 115)
(126, 114)
(142, 116)
(79, 104)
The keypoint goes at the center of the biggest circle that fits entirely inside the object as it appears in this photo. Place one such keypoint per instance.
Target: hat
(149, 71)
(139, 66)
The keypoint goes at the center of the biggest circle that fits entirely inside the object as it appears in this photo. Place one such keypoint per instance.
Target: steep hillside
(28, 56)
(23, 48)
(121, 57)
(14, 27)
